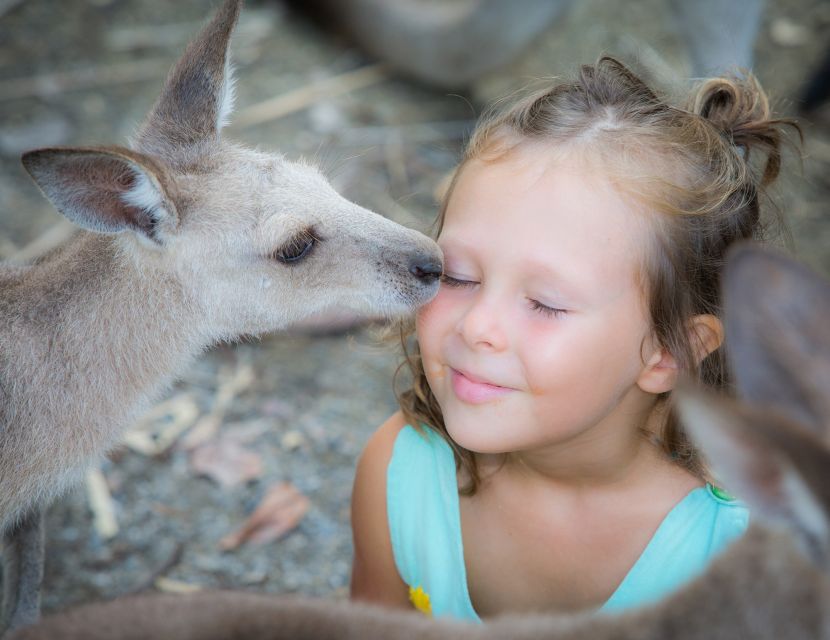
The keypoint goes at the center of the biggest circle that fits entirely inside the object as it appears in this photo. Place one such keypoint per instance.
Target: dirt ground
(86, 72)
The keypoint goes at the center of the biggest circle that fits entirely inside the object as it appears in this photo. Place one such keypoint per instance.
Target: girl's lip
(469, 389)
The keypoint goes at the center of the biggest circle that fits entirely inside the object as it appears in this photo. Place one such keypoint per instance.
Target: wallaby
(187, 240)
(772, 449)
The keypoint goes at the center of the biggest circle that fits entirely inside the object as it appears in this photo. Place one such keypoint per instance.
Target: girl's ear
(660, 371)
(659, 374)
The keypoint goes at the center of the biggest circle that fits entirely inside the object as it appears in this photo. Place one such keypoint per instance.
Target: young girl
(535, 464)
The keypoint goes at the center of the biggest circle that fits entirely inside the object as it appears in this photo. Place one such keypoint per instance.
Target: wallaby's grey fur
(773, 449)
(188, 240)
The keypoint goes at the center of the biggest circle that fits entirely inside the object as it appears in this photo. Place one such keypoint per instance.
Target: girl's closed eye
(545, 310)
(451, 281)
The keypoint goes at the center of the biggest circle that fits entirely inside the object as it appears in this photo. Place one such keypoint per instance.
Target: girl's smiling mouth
(471, 390)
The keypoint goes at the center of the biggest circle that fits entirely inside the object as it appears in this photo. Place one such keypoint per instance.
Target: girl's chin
(477, 437)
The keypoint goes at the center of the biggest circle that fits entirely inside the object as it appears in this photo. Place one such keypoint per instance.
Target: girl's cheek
(544, 354)
(423, 323)
(434, 312)
(428, 330)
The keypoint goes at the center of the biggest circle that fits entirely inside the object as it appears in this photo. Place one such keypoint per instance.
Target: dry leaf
(227, 462)
(282, 509)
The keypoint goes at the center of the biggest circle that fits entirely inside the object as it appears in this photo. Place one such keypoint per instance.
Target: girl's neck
(610, 456)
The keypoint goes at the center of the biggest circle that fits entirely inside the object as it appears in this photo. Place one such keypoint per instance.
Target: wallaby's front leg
(22, 572)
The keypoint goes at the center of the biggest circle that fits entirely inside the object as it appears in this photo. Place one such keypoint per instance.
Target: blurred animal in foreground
(187, 240)
(772, 448)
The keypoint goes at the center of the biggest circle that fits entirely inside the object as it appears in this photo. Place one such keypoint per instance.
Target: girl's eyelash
(552, 312)
(455, 282)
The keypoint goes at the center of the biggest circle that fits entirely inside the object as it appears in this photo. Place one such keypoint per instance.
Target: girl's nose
(482, 325)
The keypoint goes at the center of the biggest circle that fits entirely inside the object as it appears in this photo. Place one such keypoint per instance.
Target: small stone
(253, 578)
(326, 118)
(786, 33)
(292, 440)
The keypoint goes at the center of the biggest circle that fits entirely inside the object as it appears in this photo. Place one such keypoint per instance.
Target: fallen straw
(281, 106)
(101, 504)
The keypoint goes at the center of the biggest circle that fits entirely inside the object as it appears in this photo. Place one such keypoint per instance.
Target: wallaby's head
(260, 241)
(772, 448)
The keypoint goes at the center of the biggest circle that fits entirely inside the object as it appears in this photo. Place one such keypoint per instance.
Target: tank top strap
(424, 523)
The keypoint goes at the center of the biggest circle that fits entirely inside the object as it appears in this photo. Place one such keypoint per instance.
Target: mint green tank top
(425, 529)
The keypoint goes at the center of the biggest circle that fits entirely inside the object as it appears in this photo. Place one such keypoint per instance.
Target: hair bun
(731, 102)
(739, 108)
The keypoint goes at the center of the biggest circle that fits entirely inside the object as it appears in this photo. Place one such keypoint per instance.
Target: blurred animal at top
(452, 43)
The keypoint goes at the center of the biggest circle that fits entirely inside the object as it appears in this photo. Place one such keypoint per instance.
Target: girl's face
(539, 332)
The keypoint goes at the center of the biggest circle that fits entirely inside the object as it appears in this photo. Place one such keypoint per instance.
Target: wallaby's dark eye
(297, 248)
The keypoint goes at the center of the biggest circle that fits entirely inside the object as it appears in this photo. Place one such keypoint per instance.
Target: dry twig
(301, 98)
(163, 425)
(101, 504)
(231, 384)
(47, 84)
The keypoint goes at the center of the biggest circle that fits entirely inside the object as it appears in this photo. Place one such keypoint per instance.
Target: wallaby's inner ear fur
(107, 190)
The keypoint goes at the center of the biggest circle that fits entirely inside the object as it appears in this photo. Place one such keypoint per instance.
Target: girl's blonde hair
(700, 167)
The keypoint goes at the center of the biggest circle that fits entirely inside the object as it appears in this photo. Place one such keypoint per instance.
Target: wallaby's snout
(276, 243)
(426, 268)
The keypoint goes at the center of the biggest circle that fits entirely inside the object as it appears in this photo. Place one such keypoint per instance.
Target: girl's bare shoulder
(374, 575)
(370, 478)
(378, 449)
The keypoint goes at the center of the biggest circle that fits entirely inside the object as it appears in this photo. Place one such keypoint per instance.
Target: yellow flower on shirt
(420, 600)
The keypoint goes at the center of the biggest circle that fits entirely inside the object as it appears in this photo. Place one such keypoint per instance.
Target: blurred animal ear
(778, 334)
(197, 97)
(778, 468)
(107, 190)
(705, 335)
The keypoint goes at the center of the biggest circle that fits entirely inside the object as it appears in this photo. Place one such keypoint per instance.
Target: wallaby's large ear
(778, 334)
(778, 468)
(107, 190)
(197, 97)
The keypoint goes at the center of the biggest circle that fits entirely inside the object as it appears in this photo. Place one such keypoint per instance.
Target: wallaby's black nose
(425, 268)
